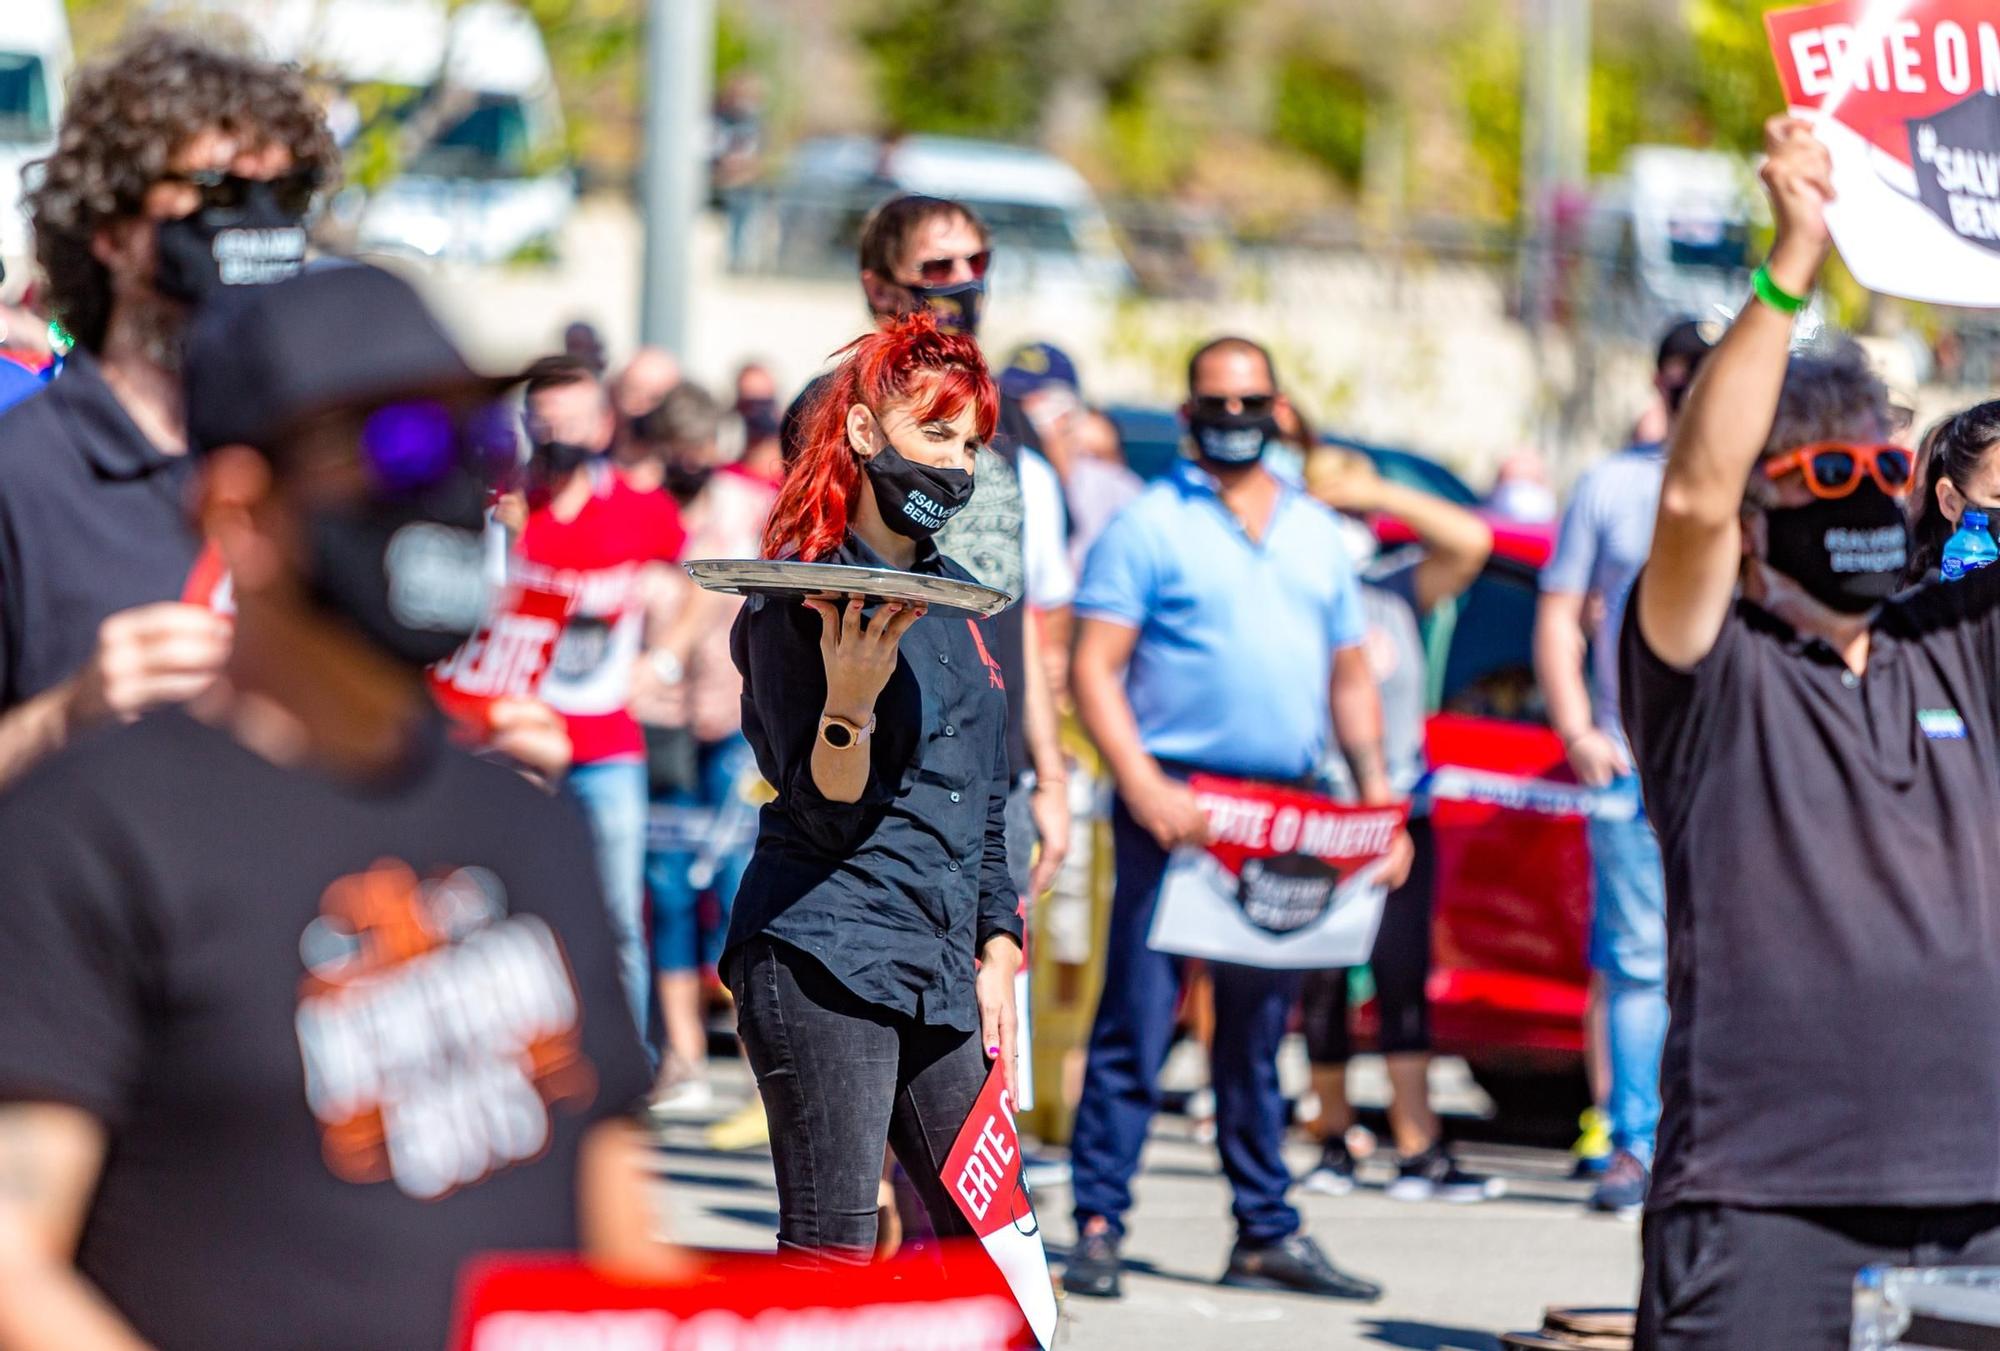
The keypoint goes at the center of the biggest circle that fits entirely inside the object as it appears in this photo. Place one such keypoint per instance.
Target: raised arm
(1690, 578)
(50, 1157)
(1456, 542)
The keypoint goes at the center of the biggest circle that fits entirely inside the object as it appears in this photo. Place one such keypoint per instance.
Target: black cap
(261, 360)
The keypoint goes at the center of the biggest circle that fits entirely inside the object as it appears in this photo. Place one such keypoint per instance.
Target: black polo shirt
(1832, 852)
(93, 520)
(895, 893)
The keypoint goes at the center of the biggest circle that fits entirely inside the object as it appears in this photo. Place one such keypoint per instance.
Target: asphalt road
(1456, 1276)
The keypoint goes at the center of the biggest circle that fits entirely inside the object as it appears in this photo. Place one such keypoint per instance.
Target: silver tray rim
(764, 576)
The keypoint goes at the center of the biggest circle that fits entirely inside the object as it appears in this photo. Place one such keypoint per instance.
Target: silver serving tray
(764, 577)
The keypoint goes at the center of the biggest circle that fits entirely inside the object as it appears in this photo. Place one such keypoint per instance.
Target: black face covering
(410, 574)
(916, 500)
(957, 305)
(559, 459)
(1848, 553)
(1233, 438)
(249, 244)
(685, 481)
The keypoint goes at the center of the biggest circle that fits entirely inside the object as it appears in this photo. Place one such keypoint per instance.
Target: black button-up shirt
(93, 520)
(893, 893)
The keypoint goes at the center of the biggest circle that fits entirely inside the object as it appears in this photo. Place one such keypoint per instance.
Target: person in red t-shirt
(592, 535)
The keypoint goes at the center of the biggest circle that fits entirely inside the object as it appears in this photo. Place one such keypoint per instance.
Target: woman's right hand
(860, 657)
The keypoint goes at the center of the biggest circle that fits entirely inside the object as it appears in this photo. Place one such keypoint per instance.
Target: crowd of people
(317, 967)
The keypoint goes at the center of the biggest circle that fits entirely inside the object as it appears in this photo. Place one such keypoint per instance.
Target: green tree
(971, 69)
(1321, 108)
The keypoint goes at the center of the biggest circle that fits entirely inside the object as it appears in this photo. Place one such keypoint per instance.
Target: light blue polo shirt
(1236, 640)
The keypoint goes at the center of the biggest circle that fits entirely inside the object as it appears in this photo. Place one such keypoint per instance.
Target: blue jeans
(613, 795)
(1128, 1045)
(1628, 950)
(698, 843)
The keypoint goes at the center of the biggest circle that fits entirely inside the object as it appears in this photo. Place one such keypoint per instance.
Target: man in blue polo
(1220, 631)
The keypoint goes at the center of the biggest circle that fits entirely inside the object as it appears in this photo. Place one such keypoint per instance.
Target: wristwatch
(666, 666)
(841, 734)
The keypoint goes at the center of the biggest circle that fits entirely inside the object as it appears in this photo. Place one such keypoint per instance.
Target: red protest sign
(208, 584)
(738, 1303)
(983, 1175)
(506, 658)
(1906, 96)
(1287, 879)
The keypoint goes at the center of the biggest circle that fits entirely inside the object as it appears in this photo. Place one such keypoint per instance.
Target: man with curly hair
(181, 169)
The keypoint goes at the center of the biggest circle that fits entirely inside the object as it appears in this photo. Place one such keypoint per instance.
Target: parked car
(1049, 231)
(34, 67)
(1513, 864)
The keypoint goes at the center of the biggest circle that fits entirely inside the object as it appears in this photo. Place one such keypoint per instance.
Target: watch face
(837, 735)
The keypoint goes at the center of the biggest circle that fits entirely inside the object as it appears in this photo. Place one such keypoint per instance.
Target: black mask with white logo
(1847, 553)
(247, 244)
(684, 482)
(1232, 438)
(915, 499)
(410, 574)
(957, 305)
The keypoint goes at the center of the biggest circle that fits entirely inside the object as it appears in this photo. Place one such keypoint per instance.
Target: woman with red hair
(880, 871)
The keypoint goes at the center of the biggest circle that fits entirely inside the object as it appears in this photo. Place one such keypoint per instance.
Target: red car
(1513, 864)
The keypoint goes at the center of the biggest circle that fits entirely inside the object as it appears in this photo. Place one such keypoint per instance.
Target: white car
(34, 67)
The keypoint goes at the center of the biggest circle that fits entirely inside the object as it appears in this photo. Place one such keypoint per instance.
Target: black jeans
(1720, 1278)
(840, 1077)
(1400, 965)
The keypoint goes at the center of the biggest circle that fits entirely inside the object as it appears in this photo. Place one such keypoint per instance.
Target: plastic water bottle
(1969, 549)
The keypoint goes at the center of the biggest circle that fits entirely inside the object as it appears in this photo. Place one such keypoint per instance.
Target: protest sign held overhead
(1906, 96)
(1287, 879)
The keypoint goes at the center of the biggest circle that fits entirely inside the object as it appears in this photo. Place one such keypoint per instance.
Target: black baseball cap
(1690, 340)
(263, 360)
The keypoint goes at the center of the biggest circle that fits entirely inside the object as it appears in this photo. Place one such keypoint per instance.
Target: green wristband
(1772, 294)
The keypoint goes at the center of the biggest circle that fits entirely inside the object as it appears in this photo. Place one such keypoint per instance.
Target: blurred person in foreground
(592, 535)
(931, 255)
(1398, 592)
(255, 1022)
(1600, 548)
(181, 170)
(1820, 752)
(1220, 630)
(880, 873)
(688, 698)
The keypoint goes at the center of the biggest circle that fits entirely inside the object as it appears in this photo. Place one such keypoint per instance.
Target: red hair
(911, 360)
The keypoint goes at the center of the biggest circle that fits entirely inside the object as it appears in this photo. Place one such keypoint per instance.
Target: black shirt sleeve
(999, 903)
(784, 693)
(71, 1002)
(1670, 713)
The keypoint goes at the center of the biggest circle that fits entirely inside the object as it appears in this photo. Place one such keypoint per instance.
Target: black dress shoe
(1295, 1264)
(1093, 1267)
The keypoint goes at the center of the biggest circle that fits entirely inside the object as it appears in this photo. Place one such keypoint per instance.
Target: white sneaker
(689, 1097)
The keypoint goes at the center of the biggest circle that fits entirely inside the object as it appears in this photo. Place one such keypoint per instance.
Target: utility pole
(673, 183)
(1555, 146)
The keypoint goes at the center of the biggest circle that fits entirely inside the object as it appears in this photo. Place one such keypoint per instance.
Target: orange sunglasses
(1833, 469)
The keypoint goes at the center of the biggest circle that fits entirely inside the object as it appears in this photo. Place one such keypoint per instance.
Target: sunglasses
(937, 271)
(418, 444)
(222, 190)
(1833, 469)
(1217, 405)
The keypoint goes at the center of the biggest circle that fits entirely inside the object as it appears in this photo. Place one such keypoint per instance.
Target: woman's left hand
(999, 960)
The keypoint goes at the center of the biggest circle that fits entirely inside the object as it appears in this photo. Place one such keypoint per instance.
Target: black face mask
(410, 574)
(253, 242)
(559, 459)
(957, 305)
(1232, 438)
(685, 481)
(1848, 553)
(916, 500)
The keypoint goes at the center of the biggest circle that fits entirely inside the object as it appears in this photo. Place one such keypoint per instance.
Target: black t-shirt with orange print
(341, 1038)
